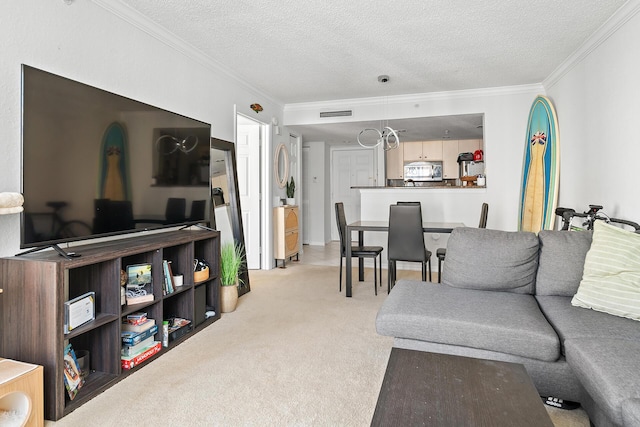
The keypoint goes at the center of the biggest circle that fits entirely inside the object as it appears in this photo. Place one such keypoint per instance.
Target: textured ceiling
(320, 50)
(310, 51)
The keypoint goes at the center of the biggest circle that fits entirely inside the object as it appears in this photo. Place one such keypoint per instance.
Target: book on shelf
(132, 350)
(140, 299)
(133, 338)
(73, 381)
(129, 362)
(171, 275)
(138, 328)
(179, 327)
(137, 318)
(139, 281)
(168, 280)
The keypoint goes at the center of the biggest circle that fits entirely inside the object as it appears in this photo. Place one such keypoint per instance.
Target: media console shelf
(37, 285)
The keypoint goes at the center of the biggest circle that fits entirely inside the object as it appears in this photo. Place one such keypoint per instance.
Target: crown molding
(138, 20)
(340, 104)
(613, 24)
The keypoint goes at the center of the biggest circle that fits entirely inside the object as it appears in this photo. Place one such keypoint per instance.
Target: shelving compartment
(179, 303)
(207, 293)
(152, 308)
(102, 346)
(99, 337)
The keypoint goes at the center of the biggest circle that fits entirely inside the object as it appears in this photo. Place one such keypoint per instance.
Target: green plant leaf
(231, 260)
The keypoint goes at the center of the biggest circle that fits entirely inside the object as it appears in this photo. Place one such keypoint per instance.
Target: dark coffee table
(430, 389)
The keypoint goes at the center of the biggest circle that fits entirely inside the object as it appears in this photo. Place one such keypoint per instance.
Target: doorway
(350, 168)
(250, 136)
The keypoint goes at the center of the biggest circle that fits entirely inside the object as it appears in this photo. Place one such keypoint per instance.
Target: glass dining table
(362, 226)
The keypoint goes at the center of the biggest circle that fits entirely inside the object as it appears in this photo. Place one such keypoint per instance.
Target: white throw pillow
(611, 276)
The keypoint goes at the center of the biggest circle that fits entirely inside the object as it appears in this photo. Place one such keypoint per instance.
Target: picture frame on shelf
(79, 311)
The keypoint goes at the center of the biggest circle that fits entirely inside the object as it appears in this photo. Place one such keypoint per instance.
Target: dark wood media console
(37, 285)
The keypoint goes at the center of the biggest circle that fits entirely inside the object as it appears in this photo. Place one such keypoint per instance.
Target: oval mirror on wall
(281, 165)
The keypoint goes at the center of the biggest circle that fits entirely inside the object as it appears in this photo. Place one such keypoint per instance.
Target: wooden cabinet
(395, 163)
(450, 152)
(422, 150)
(37, 285)
(286, 237)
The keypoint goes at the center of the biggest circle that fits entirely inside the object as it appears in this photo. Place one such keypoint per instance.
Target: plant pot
(291, 201)
(228, 298)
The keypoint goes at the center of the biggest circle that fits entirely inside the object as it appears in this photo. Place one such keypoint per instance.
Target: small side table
(21, 391)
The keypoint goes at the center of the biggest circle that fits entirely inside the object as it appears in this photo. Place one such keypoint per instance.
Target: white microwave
(423, 171)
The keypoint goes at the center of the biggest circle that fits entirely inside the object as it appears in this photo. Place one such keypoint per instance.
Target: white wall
(598, 104)
(85, 42)
(506, 112)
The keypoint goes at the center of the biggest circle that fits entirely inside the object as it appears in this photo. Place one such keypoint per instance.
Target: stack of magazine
(73, 380)
(138, 342)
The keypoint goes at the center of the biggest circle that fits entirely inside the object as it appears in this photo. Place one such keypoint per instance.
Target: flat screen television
(96, 164)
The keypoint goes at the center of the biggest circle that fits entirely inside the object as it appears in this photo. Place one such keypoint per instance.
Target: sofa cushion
(609, 369)
(575, 322)
(561, 261)
(611, 277)
(631, 412)
(486, 259)
(498, 321)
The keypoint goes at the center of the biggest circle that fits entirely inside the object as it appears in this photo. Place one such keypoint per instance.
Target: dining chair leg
(389, 276)
(375, 276)
(380, 267)
(340, 274)
(424, 271)
(429, 265)
(439, 270)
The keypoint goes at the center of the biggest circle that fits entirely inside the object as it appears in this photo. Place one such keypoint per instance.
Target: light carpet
(295, 352)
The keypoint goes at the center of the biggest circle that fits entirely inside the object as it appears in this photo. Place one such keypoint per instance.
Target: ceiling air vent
(343, 113)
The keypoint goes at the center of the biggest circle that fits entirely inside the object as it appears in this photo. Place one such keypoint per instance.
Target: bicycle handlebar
(592, 215)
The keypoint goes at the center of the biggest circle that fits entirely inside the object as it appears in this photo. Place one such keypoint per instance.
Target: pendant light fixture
(386, 135)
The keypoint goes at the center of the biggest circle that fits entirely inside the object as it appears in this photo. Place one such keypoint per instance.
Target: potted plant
(291, 190)
(231, 259)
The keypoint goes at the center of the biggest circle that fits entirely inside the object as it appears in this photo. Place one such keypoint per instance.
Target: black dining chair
(356, 251)
(198, 208)
(406, 240)
(175, 210)
(441, 253)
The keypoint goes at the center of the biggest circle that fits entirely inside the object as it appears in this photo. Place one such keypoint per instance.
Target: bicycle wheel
(74, 228)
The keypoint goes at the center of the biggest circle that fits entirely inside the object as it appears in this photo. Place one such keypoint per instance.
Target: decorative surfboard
(541, 167)
(113, 182)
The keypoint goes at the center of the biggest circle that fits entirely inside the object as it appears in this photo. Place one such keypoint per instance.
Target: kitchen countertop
(419, 187)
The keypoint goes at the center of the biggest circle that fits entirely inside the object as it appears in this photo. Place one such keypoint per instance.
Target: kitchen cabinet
(450, 151)
(469, 145)
(422, 150)
(450, 160)
(395, 163)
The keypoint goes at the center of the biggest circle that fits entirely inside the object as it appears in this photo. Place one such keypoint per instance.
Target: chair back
(197, 210)
(409, 203)
(175, 210)
(406, 238)
(341, 222)
(483, 215)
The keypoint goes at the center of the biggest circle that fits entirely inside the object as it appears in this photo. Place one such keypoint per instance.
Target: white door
(349, 168)
(248, 140)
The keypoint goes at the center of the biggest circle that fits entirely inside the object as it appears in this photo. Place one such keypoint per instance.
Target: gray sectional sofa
(507, 296)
